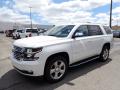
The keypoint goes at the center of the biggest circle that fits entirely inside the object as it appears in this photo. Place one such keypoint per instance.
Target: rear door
(95, 40)
(89, 43)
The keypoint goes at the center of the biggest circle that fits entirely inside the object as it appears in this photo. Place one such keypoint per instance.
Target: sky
(59, 12)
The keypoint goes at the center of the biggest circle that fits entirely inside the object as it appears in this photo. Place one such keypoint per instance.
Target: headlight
(36, 50)
(33, 50)
(30, 52)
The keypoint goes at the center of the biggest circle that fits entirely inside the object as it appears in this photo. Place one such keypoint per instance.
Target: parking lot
(94, 75)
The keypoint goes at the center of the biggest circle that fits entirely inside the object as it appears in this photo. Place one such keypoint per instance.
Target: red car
(9, 33)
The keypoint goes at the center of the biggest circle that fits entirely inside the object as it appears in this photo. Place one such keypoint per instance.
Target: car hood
(38, 41)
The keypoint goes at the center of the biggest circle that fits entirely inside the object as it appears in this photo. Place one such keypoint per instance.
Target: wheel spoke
(57, 69)
(52, 71)
(61, 65)
(105, 54)
(62, 71)
(56, 64)
(56, 75)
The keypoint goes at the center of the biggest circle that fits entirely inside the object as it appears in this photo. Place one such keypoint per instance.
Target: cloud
(116, 10)
(62, 13)
(102, 18)
(8, 15)
(71, 11)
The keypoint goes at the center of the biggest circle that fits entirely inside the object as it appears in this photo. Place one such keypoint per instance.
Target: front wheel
(56, 69)
(104, 54)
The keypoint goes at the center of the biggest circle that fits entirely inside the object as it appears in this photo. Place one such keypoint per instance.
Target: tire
(19, 37)
(13, 37)
(55, 69)
(104, 54)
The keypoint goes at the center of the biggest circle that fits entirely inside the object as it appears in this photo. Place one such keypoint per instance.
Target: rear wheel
(56, 69)
(18, 37)
(104, 54)
(13, 37)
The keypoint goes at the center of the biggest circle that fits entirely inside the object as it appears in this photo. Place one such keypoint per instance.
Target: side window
(20, 31)
(81, 31)
(94, 30)
(107, 29)
(34, 31)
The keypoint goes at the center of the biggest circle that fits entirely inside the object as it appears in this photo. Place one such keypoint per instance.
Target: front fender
(54, 49)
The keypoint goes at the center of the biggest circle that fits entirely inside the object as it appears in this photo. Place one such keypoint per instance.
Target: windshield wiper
(51, 35)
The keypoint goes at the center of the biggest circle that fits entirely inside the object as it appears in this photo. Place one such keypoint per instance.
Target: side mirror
(78, 34)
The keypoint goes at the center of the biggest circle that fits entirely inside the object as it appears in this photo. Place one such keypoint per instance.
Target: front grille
(18, 53)
(18, 49)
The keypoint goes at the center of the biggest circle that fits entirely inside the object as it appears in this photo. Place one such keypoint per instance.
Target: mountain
(9, 25)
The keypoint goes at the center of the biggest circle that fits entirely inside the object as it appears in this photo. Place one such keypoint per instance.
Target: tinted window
(82, 30)
(20, 31)
(29, 30)
(107, 29)
(32, 30)
(94, 30)
(35, 31)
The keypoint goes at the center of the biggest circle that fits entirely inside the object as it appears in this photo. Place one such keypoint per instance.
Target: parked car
(41, 31)
(26, 33)
(116, 33)
(1, 31)
(9, 33)
(62, 47)
(16, 34)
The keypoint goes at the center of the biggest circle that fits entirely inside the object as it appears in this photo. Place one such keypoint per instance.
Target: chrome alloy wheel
(105, 54)
(57, 69)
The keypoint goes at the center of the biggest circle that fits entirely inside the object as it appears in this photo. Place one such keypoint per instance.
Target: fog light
(29, 55)
(29, 51)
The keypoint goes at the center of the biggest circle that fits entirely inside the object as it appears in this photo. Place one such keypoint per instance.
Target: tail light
(30, 35)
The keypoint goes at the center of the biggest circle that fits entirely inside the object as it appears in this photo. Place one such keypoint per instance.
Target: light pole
(111, 14)
(30, 17)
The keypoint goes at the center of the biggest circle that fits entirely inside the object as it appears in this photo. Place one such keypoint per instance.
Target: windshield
(60, 31)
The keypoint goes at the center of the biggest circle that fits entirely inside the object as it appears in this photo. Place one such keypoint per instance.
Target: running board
(84, 61)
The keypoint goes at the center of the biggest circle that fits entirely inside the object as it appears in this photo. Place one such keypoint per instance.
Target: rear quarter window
(94, 30)
(107, 29)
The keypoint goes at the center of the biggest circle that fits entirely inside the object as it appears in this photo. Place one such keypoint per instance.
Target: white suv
(16, 34)
(28, 32)
(61, 47)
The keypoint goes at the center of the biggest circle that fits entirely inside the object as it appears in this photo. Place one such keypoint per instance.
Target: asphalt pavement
(94, 75)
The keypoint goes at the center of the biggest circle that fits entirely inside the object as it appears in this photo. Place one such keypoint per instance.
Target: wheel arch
(64, 54)
(107, 44)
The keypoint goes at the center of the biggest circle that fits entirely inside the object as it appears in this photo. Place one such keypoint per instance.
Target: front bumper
(29, 68)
